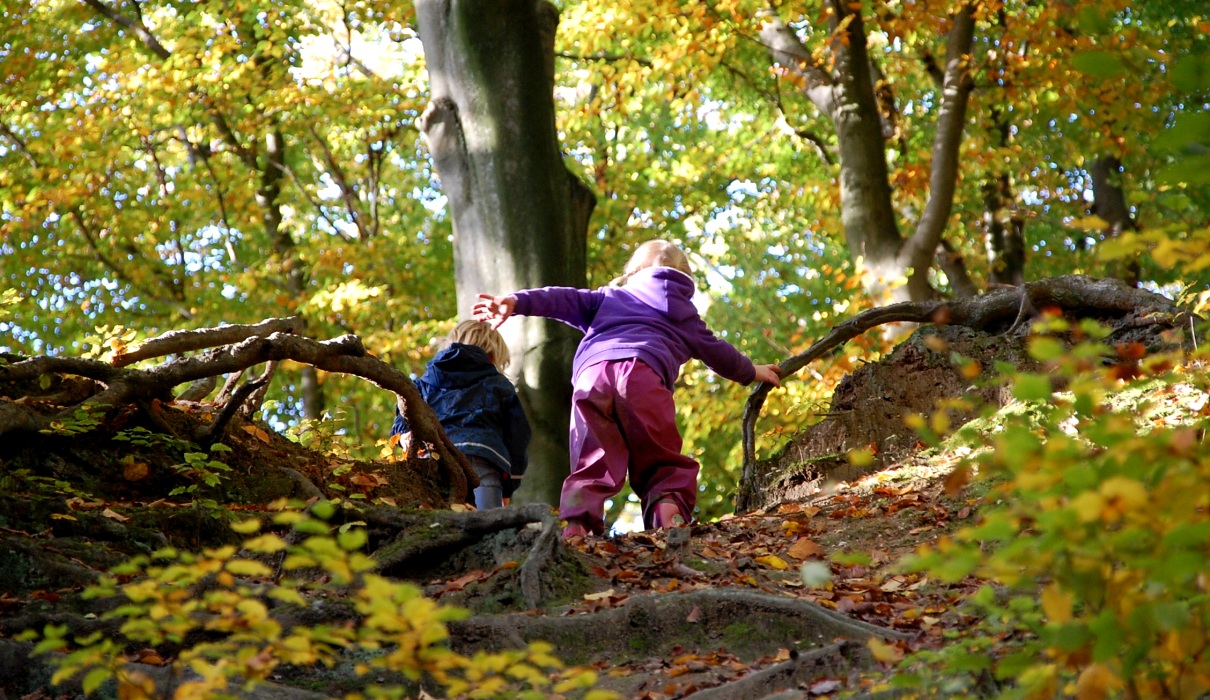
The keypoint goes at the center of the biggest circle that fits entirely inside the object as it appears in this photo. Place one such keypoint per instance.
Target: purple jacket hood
(651, 318)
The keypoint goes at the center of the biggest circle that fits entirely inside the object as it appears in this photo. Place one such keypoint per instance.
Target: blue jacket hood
(459, 366)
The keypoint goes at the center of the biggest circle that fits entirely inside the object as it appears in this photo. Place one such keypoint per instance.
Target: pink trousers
(623, 421)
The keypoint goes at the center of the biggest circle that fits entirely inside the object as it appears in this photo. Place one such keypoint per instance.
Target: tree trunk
(1109, 203)
(519, 216)
(1005, 233)
(847, 97)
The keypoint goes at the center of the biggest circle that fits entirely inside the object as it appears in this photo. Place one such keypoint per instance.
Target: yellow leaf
(1056, 603)
(1095, 682)
(773, 562)
(248, 567)
(288, 595)
(1088, 506)
(1089, 223)
(246, 527)
(265, 544)
(884, 652)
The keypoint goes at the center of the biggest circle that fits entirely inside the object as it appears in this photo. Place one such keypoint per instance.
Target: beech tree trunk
(520, 218)
(845, 94)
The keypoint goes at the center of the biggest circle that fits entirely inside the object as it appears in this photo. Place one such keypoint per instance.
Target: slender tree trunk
(1109, 203)
(1003, 224)
(1005, 232)
(845, 92)
(268, 196)
(519, 216)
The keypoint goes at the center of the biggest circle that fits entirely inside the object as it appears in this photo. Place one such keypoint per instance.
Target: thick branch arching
(259, 344)
(1003, 308)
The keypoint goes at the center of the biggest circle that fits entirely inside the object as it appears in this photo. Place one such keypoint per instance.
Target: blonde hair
(482, 335)
(654, 253)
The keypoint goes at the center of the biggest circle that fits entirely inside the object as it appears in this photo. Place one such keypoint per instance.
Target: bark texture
(519, 215)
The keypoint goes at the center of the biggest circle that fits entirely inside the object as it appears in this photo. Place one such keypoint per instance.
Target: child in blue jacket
(478, 408)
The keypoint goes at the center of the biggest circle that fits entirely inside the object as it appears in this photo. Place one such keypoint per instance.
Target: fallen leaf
(884, 652)
(892, 584)
(134, 471)
(825, 686)
(258, 433)
(115, 516)
(805, 549)
(599, 596)
(694, 615)
(773, 562)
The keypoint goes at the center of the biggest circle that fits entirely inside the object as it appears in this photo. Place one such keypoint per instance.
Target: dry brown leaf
(115, 516)
(258, 433)
(135, 471)
(805, 549)
(956, 481)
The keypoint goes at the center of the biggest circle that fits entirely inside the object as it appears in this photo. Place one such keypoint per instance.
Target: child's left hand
(769, 374)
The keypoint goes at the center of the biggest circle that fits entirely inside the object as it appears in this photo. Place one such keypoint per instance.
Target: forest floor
(804, 596)
(83, 502)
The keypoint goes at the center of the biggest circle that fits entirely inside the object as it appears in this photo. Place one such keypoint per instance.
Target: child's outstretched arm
(769, 374)
(498, 309)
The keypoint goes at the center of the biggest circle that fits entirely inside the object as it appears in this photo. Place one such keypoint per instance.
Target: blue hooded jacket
(478, 408)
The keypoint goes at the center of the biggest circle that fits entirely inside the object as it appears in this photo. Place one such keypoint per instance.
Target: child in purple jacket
(637, 334)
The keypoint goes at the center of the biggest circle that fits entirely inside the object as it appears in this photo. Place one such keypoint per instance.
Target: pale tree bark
(520, 218)
(846, 95)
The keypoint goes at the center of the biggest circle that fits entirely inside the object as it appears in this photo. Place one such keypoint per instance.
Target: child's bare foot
(574, 529)
(668, 514)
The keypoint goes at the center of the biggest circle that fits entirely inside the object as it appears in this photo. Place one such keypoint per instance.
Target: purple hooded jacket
(651, 318)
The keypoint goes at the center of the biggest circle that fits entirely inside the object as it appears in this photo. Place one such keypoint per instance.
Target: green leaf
(1100, 65)
(93, 680)
(1032, 387)
(352, 539)
(1045, 348)
(323, 510)
(1192, 73)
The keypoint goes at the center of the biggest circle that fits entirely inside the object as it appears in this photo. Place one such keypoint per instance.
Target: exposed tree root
(834, 660)
(428, 534)
(663, 621)
(1000, 310)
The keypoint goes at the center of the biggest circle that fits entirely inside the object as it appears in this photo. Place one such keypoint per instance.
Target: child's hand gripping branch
(769, 374)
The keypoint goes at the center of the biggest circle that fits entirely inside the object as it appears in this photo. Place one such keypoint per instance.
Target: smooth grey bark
(520, 218)
(846, 95)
